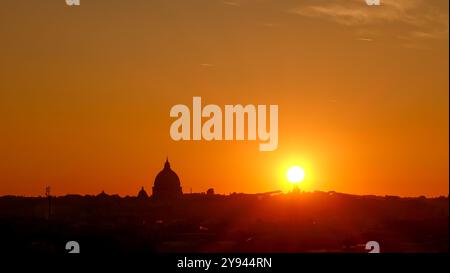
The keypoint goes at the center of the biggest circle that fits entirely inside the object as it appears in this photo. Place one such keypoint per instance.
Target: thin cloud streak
(421, 20)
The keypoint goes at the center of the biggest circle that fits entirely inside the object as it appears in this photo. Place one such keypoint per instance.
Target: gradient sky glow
(363, 92)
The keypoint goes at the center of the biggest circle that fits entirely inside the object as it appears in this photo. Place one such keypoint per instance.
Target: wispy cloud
(423, 19)
(365, 39)
(231, 3)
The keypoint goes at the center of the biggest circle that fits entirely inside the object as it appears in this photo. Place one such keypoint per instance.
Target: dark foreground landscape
(294, 222)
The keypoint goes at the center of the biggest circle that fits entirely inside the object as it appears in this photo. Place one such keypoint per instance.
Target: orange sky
(85, 94)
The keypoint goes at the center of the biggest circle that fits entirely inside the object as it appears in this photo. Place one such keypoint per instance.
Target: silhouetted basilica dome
(167, 184)
(142, 194)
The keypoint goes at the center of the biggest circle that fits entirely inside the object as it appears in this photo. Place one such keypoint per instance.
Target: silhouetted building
(167, 184)
(295, 189)
(102, 195)
(142, 194)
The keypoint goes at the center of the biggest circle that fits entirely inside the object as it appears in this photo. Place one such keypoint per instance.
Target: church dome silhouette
(167, 184)
(142, 194)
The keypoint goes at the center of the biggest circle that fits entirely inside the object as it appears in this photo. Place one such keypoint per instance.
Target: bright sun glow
(295, 174)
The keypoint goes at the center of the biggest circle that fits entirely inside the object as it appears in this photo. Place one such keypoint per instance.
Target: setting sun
(295, 174)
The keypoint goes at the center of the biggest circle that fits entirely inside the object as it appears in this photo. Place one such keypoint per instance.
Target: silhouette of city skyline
(170, 221)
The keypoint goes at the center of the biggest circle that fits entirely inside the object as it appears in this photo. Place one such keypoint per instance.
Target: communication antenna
(49, 197)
